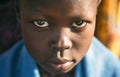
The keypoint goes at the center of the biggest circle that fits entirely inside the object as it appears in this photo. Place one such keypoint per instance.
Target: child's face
(57, 33)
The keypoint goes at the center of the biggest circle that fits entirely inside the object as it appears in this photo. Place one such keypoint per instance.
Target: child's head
(58, 33)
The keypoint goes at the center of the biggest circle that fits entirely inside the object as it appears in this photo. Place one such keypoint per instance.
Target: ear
(99, 1)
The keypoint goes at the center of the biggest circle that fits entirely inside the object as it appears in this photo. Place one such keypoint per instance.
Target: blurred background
(107, 27)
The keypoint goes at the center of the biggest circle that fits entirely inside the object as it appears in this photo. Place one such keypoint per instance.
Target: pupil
(79, 22)
(41, 22)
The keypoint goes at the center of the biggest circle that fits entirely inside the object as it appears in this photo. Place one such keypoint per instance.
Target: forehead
(63, 7)
(57, 3)
(44, 2)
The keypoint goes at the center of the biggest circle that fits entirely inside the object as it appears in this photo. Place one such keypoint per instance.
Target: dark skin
(58, 33)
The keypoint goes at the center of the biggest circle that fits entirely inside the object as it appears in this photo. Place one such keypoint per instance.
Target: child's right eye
(41, 23)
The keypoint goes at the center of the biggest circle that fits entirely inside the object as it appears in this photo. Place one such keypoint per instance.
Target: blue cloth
(98, 62)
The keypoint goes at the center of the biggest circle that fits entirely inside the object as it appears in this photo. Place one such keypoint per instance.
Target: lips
(63, 66)
(60, 64)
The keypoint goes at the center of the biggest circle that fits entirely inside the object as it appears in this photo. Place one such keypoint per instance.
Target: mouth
(61, 66)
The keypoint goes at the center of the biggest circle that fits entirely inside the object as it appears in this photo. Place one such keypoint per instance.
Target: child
(59, 42)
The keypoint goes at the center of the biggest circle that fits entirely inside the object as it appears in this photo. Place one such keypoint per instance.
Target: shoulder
(101, 51)
(102, 60)
(8, 59)
(17, 62)
(10, 52)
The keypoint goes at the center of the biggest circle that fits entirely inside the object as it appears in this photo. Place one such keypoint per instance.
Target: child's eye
(41, 23)
(79, 24)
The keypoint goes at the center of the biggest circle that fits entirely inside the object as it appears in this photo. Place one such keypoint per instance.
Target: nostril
(67, 47)
(59, 48)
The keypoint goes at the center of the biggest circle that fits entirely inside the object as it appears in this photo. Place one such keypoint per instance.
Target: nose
(61, 40)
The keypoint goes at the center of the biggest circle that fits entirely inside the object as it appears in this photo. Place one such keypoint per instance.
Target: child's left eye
(79, 24)
(41, 23)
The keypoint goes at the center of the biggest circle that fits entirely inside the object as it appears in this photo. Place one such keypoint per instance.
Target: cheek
(36, 43)
(82, 43)
(81, 49)
(38, 51)
(33, 38)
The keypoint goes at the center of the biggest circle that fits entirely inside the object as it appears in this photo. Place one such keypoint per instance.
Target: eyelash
(76, 25)
(79, 24)
(41, 23)
(80, 28)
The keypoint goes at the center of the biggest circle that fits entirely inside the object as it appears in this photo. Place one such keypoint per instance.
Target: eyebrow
(49, 17)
